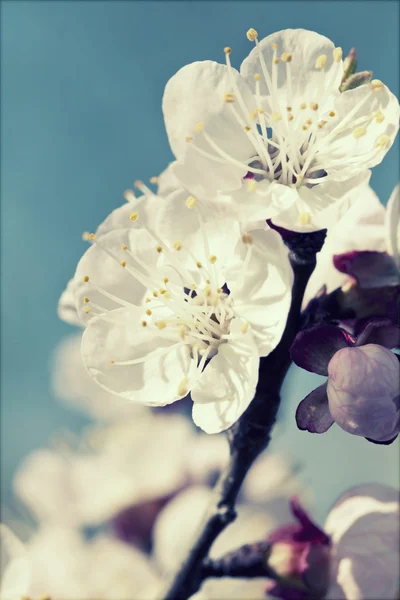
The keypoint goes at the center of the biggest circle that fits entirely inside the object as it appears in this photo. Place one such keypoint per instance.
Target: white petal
(260, 280)
(305, 47)
(102, 265)
(364, 525)
(196, 95)
(392, 224)
(146, 205)
(119, 337)
(167, 182)
(15, 566)
(228, 383)
(67, 305)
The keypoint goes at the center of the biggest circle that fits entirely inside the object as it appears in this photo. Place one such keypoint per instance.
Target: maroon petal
(313, 348)
(380, 331)
(313, 412)
(310, 531)
(386, 443)
(369, 269)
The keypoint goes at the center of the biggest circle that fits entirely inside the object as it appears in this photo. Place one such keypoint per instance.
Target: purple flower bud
(363, 391)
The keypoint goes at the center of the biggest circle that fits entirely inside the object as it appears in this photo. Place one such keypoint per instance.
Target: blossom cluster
(183, 291)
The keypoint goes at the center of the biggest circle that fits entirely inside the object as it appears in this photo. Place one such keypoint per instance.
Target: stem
(252, 432)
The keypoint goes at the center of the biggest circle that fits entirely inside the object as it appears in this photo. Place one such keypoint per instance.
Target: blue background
(82, 84)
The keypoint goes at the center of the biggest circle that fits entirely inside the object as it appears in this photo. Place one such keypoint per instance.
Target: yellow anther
(276, 61)
(134, 216)
(244, 327)
(299, 178)
(86, 278)
(376, 85)
(309, 122)
(332, 113)
(162, 291)
(155, 294)
(337, 54)
(191, 202)
(304, 128)
(177, 245)
(219, 290)
(148, 312)
(290, 117)
(159, 249)
(321, 61)
(383, 142)
(138, 184)
(321, 124)
(228, 98)
(251, 185)
(123, 263)
(129, 195)
(252, 34)
(86, 299)
(183, 387)
(276, 117)
(379, 116)
(160, 324)
(193, 286)
(207, 290)
(85, 236)
(199, 127)
(247, 129)
(148, 299)
(124, 247)
(252, 115)
(247, 239)
(227, 50)
(207, 281)
(257, 77)
(182, 332)
(359, 132)
(274, 45)
(165, 280)
(260, 111)
(167, 296)
(111, 361)
(289, 108)
(87, 309)
(313, 106)
(303, 106)
(144, 323)
(212, 259)
(188, 138)
(92, 237)
(199, 265)
(286, 57)
(154, 180)
(304, 218)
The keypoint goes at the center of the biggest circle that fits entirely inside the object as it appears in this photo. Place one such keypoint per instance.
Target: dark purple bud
(134, 524)
(313, 348)
(369, 269)
(313, 412)
(380, 331)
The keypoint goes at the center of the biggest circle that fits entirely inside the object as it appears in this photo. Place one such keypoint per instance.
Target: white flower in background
(72, 383)
(131, 463)
(181, 304)
(367, 226)
(277, 140)
(15, 572)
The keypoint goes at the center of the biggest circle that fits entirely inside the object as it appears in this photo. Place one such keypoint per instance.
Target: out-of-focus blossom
(362, 391)
(277, 140)
(166, 317)
(124, 473)
(15, 571)
(355, 557)
(362, 247)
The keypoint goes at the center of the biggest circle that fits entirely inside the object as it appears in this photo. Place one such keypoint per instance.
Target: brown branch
(252, 433)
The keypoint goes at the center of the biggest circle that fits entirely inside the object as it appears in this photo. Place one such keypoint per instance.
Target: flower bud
(355, 80)
(363, 391)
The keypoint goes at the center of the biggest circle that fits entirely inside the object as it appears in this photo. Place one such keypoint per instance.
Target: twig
(252, 433)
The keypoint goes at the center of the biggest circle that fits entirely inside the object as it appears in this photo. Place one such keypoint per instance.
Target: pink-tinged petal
(313, 414)
(363, 391)
(380, 331)
(364, 526)
(313, 348)
(370, 269)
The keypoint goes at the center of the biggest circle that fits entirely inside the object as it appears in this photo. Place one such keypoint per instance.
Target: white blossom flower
(15, 572)
(277, 140)
(181, 304)
(367, 226)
